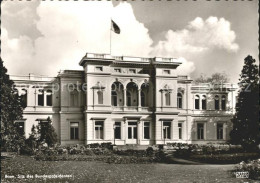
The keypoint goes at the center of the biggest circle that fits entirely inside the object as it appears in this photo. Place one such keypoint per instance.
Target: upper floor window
(223, 102)
(49, 97)
(217, 102)
(133, 71)
(40, 98)
(117, 70)
(179, 100)
(197, 102)
(167, 98)
(204, 102)
(129, 98)
(24, 97)
(100, 97)
(166, 72)
(114, 98)
(74, 98)
(98, 68)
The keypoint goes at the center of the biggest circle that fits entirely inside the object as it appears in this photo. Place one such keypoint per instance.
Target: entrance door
(132, 133)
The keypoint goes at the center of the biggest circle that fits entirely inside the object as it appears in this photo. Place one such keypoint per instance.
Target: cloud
(69, 30)
(199, 36)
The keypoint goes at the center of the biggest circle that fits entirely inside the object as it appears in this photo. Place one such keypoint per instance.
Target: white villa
(128, 100)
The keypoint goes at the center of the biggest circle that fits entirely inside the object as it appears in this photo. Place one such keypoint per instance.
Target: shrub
(149, 151)
(94, 145)
(252, 167)
(107, 145)
(128, 160)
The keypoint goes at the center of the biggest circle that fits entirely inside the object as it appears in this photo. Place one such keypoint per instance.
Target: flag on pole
(114, 27)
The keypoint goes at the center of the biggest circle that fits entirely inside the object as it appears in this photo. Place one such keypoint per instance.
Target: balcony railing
(131, 108)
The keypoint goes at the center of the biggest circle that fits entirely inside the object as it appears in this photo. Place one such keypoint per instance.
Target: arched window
(114, 98)
(217, 102)
(167, 98)
(100, 97)
(49, 98)
(179, 100)
(74, 98)
(128, 95)
(223, 102)
(204, 102)
(142, 99)
(40, 98)
(197, 102)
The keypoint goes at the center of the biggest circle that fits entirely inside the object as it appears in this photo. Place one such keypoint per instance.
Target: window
(20, 127)
(167, 99)
(167, 130)
(217, 102)
(200, 131)
(24, 97)
(128, 98)
(166, 71)
(74, 98)
(146, 130)
(223, 102)
(74, 130)
(117, 70)
(197, 102)
(132, 130)
(100, 97)
(117, 130)
(132, 71)
(220, 131)
(49, 98)
(142, 99)
(114, 98)
(40, 98)
(179, 100)
(180, 130)
(99, 125)
(204, 102)
(99, 69)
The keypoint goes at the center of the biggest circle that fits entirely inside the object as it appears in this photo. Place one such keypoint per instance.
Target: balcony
(131, 109)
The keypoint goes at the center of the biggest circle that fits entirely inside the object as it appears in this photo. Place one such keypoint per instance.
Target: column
(44, 97)
(139, 131)
(124, 90)
(172, 129)
(139, 99)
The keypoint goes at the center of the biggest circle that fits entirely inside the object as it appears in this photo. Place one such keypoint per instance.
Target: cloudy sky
(43, 37)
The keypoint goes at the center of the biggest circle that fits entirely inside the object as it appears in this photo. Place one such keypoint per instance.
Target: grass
(96, 171)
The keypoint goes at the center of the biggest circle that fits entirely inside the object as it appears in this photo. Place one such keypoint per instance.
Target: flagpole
(110, 34)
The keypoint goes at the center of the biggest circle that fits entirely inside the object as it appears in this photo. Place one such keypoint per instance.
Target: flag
(114, 27)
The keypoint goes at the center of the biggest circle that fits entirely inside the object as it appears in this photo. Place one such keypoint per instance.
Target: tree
(47, 132)
(215, 78)
(11, 110)
(246, 125)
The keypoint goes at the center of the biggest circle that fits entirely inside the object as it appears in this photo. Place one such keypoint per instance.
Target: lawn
(95, 171)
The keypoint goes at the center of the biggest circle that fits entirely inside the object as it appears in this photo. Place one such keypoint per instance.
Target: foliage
(246, 124)
(224, 158)
(47, 133)
(252, 167)
(11, 110)
(215, 78)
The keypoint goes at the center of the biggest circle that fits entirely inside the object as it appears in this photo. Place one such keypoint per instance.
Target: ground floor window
(167, 130)
(20, 127)
(200, 131)
(74, 130)
(220, 131)
(180, 130)
(146, 130)
(99, 126)
(117, 130)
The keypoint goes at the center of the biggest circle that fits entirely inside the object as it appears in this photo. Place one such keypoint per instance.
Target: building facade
(127, 100)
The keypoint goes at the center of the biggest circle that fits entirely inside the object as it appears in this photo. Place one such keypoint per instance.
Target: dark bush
(149, 151)
(94, 145)
(107, 145)
(26, 150)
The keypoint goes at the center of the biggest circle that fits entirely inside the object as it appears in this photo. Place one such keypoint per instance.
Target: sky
(44, 37)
